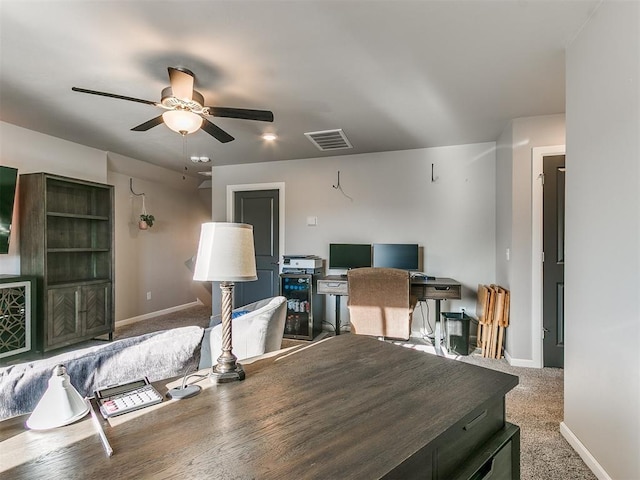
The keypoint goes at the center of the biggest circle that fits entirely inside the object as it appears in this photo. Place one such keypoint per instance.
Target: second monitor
(396, 255)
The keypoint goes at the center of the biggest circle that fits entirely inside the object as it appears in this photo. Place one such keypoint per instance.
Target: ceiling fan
(185, 110)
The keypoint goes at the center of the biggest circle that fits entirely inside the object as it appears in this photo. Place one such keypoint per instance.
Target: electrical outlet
(148, 295)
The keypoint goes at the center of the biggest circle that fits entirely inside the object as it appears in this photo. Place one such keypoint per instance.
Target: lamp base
(236, 374)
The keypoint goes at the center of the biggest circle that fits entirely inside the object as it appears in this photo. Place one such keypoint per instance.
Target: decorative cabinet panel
(66, 229)
(81, 311)
(16, 310)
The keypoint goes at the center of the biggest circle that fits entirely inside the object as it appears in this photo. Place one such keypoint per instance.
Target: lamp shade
(182, 121)
(60, 405)
(226, 253)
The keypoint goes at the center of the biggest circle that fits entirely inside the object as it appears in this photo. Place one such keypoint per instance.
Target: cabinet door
(63, 323)
(15, 318)
(95, 308)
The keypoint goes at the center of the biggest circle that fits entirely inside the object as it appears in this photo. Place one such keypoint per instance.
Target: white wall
(504, 195)
(145, 261)
(154, 260)
(513, 207)
(602, 271)
(392, 200)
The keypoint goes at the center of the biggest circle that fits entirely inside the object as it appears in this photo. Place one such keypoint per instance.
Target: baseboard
(519, 362)
(146, 316)
(586, 456)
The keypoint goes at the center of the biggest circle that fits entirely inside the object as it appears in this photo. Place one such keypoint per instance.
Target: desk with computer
(405, 256)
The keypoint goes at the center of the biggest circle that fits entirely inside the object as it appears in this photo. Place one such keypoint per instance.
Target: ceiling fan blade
(243, 113)
(113, 95)
(215, 131)
(143, 127)
(181, 83)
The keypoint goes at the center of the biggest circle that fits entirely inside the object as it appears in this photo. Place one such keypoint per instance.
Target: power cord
(184, 390)
(333, 328)
(427, 334)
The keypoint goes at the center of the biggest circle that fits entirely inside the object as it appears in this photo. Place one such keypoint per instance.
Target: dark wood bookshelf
(67, 238)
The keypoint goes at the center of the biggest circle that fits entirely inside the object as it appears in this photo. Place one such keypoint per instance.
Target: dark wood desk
(437, 289)
(345, 407)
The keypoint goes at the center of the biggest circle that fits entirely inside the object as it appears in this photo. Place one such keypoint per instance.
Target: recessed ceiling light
(269, 137)
(196, 159)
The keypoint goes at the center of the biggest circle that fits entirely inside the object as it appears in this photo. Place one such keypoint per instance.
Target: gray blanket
(155, 355)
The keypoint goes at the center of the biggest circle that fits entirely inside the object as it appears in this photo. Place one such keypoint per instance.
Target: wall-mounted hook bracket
(338, 187)
(131, 188)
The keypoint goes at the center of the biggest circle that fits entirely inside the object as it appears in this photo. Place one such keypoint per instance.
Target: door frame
(232, 189)
(537, 332)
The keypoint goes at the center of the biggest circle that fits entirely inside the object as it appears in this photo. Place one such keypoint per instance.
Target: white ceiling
(393, 74)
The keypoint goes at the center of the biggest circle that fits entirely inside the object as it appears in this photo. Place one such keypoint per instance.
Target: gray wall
(392, 200)
(513, 222)
(602, 272)
(153, 260)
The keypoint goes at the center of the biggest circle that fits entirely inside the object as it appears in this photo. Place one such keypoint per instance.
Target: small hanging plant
(146, 221)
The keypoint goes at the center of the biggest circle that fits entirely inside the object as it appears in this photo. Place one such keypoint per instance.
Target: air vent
(329, 140)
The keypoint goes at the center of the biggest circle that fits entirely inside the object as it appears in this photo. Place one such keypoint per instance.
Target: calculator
(118, 399)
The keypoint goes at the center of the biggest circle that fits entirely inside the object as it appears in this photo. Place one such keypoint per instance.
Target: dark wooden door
(553, 266)
(260, 208)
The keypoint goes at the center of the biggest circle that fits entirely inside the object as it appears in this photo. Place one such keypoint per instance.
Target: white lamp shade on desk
(60, 405)
(225, 253)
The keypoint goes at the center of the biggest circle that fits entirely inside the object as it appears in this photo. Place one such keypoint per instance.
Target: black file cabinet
(304, 307)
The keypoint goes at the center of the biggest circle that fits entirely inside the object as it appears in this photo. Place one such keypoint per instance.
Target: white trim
(231, 189)
(537, 155)
(589, 459)
(147, 316)
(519, 362)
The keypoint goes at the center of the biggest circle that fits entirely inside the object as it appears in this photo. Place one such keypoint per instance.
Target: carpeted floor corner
(198, 315)
(536, 405)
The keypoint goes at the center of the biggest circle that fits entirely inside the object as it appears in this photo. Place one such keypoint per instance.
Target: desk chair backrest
(380, 303)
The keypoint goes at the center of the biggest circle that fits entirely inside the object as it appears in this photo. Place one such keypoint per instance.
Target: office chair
(380, 303)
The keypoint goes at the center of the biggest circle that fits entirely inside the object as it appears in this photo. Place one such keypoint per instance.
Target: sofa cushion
(255, 332)
(155, 355)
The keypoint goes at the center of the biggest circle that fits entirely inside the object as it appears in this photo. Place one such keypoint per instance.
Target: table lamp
(226, 254)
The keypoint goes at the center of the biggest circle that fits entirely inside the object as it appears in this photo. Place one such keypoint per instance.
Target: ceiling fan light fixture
(182, 121)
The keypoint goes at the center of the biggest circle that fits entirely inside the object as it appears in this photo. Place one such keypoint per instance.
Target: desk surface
(414, 280)
(346, 407)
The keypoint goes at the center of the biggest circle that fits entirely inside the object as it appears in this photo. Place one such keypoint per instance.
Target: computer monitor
(396, 255)
(349, 255)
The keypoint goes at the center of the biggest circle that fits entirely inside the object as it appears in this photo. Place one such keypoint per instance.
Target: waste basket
(456, 330)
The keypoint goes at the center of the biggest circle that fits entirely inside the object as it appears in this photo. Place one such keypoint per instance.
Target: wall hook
(338, 187)
(131, 188)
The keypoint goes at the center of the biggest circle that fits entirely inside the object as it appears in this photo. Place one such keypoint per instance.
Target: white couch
(256, 329)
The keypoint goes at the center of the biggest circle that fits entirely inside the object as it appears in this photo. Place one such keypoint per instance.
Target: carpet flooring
(536, 404)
